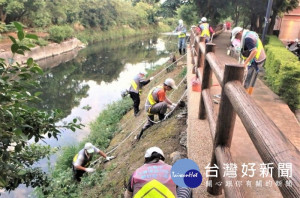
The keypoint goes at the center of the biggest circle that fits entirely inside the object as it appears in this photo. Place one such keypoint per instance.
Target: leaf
(29, 61)
(18, 131)
(32, 36)
(21, 35)
(24, 48)
(12, 39)
(18, 26)
(49, 135)
(9, 113)
(19, 51)
(36, 70)
(14, 48)
(22, 172)
(37, 93)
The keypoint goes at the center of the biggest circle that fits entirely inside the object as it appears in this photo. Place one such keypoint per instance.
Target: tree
(20, 123)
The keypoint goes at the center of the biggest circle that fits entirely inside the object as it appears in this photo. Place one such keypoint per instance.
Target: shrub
(283, 72)
(60, 33)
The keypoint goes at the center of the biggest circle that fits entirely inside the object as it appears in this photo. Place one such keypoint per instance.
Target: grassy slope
(129, 157)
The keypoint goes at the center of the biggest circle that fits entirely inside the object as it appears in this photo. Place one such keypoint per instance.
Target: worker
(81, 161)
(135, 90)
(253, 53)
(181, 30)
(205, 29)
(158, 103)
(153, 179)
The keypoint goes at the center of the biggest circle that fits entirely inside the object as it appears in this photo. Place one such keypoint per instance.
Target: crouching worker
(158, 103)
(153, 179)
(160, 184)
(82, 160)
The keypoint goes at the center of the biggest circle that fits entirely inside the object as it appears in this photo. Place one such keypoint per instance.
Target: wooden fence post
(225, 126)
(206, 80)
(192, 47)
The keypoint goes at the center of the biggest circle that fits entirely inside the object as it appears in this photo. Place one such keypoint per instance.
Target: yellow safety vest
(86, 161)
(205, 29)
(259, 47)
(150, 96)
(154, 189)
(134, 86)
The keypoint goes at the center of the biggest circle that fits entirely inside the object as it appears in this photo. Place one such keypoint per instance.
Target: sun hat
(89, 147)
(234, 32)
(152, 150)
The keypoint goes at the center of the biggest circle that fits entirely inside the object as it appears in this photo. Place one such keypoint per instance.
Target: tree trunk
(2, 15)
(272, 23)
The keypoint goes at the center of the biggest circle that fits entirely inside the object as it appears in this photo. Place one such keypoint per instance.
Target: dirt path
(242, 149)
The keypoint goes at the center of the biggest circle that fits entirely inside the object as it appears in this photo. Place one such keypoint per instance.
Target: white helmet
(89, 147)
(152, 150)
(143, 72)
(234, 32)
(171, 83)
(180, 22)
(203, 19)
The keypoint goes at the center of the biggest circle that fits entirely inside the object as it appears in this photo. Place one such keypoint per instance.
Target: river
(91, 79)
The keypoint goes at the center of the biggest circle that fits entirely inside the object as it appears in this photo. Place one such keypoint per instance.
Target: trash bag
(124, 93)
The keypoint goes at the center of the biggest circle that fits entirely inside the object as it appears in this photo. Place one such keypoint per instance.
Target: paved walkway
(242, 149)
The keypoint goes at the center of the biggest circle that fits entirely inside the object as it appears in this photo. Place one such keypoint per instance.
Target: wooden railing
(270, 142)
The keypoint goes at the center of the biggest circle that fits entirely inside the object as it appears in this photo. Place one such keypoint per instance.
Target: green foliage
(60, 33)
(20, 122)
(283, 72)
(188, 13)
(106, 125)
(2, 27)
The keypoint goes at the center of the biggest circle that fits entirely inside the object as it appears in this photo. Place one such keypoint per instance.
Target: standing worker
(252, 51)
(135, 90)
(181, 30)
(206, 29)
(82, 160)
(157, 103)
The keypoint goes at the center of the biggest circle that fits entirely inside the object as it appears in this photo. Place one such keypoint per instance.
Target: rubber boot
(146, 126)
(180, 51)
(183, 51)
(161, 116)
(250, 90)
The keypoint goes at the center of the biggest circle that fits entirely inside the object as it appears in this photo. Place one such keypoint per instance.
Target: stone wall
(39, 53)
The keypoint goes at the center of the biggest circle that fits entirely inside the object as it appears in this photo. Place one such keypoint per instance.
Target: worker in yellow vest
(253, 53)
(181, 30)
(205, 29)
(82, 160)
(136, 88)
(153, 179)
(158, 103)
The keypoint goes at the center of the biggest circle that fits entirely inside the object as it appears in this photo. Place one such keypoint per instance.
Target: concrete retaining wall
(39, 53)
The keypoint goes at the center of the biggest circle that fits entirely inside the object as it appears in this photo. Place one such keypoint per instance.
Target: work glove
(109, 158)
(89, 170)
(174, 105)
(151, 78)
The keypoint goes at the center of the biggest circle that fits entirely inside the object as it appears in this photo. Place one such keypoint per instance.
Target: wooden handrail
(270, 142)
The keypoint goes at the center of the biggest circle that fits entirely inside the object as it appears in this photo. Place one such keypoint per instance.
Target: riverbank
(40, 53)
(114, 124)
